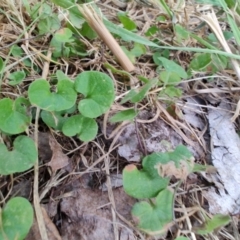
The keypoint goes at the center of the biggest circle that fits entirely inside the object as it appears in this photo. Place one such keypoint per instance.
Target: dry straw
(95, 21)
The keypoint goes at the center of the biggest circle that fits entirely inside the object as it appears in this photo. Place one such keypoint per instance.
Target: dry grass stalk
(212, 21)
(36, 199)
(96, 23)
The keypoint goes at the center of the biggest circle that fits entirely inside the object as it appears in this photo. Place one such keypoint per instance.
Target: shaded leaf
(85, 128)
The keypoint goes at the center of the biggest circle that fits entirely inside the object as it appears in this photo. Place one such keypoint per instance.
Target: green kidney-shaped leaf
(98, 91)
(85, 128)
(13, 116)
(21, 158)
(16, 219)
(138, 184)
(40, 95)
(155, 218)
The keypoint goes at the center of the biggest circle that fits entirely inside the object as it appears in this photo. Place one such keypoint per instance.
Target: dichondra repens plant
(71, 108)
(154, 214)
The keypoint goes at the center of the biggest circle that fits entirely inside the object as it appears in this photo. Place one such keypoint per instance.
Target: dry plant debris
(76, 187)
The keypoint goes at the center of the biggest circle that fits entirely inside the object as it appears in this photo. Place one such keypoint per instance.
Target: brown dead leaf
(90, 218)
(52, 231)
(59, 159)
(170, 169)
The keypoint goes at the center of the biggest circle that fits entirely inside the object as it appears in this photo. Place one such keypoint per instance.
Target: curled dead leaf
(59, 159)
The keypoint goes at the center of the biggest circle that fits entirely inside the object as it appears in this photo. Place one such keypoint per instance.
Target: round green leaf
(13, 117)
(138, 184)
(98, 90)
(40, 95)
(21, 158)
(17, 219)
(155, 218)
(85, 128)
(16, 77)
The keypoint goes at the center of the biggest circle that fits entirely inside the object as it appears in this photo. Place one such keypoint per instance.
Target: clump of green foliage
(151, 184)
(71, 108)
